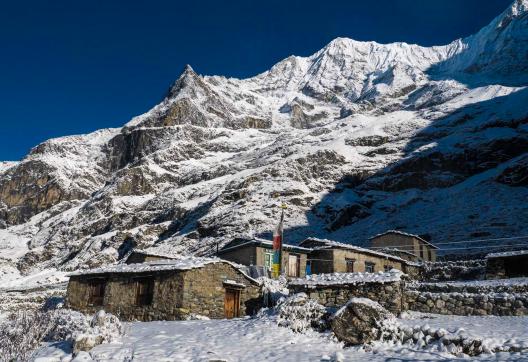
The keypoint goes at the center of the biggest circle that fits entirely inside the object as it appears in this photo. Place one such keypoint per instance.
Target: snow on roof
(184, 263)
(506, 254)
(336, 244)
(259, 241)
(405, 234)
(335, 279)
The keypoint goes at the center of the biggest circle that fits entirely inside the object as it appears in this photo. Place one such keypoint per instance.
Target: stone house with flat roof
(166, 290)
(259, 252)
(412, 244)
(509, 264)
(328, 256)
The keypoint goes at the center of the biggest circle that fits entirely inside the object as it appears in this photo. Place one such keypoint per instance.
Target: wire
(454, 242)
(486, 247)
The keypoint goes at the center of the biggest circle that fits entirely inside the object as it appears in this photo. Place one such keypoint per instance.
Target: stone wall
(503, 304)
(204, 292)
(454, 270)
(389, 295)
(176, 293)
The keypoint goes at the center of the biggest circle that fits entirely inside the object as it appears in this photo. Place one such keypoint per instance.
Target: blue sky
(70, 67)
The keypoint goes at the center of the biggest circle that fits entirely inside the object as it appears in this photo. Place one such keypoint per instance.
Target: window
(387, 268)
(268, 259)
(293, 265)
(97, 291)
(430, 255)
(369, 267)
(421, 251)
(144, 291)
(349, 265)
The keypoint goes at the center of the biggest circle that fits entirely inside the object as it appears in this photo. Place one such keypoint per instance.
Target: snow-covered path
(262, 340)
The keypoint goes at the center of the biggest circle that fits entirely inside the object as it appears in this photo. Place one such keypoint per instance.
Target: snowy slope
(357, 138)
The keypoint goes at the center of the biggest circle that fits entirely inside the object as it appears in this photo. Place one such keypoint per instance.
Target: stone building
(166, 290)
(510, 264)
(419, 248)
(328, 256)
(259, 252)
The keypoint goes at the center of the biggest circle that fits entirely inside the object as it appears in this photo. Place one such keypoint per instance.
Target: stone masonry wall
(204, 291)
(503, 304)
(389, 295)
(176, 294)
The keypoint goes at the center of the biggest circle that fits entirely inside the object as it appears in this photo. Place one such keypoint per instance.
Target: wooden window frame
(298, 266)
(97, 290)
(350, 261)
(270, 254)
(369, 264)
(144, 291)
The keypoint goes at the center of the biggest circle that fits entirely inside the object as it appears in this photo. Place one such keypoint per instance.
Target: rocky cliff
(357, 138)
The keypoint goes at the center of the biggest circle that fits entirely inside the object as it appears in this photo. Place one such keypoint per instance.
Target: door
(293, 265)
(232, 303)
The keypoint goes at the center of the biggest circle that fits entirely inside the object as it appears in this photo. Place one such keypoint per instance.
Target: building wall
(245, 255)
(176, 294)
(508, 267)
(254, 255)
(322, 261)
(204, 291)
(406, 243)
(340, 256)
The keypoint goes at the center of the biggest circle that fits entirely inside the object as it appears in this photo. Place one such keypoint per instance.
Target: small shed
(166, 290)
(421, 249)
(259, 252)
(509, 264)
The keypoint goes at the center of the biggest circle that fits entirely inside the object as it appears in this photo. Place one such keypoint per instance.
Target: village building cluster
(153, 285)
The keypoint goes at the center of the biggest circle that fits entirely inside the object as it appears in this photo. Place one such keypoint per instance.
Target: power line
(455, 242)
(486, 247)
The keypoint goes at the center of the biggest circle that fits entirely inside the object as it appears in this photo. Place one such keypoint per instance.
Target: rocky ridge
(357, 138)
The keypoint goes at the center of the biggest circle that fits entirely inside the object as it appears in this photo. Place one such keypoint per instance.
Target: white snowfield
(260, 339)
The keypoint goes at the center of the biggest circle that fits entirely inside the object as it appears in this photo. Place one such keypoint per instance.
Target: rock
(85, 342)
(359, 321)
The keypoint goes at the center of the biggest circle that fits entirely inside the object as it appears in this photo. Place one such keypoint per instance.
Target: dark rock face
(359, 321)
(29, 189)
(516, 174)
(372, 141)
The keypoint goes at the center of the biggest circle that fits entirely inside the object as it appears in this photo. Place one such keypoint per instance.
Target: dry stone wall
(503, 304)
(388, 295)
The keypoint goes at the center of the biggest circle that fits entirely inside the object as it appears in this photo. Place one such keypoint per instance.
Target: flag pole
(283, 207)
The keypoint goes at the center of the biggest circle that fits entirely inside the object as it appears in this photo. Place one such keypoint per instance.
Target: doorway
(232, 303)
(294, 265)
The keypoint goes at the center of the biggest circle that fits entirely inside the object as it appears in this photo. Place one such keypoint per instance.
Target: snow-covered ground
(260, 339)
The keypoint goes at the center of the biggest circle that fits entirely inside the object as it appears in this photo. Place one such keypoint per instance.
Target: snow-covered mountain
(357, 138)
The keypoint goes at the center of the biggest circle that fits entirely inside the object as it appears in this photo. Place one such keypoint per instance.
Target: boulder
(359, 321)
